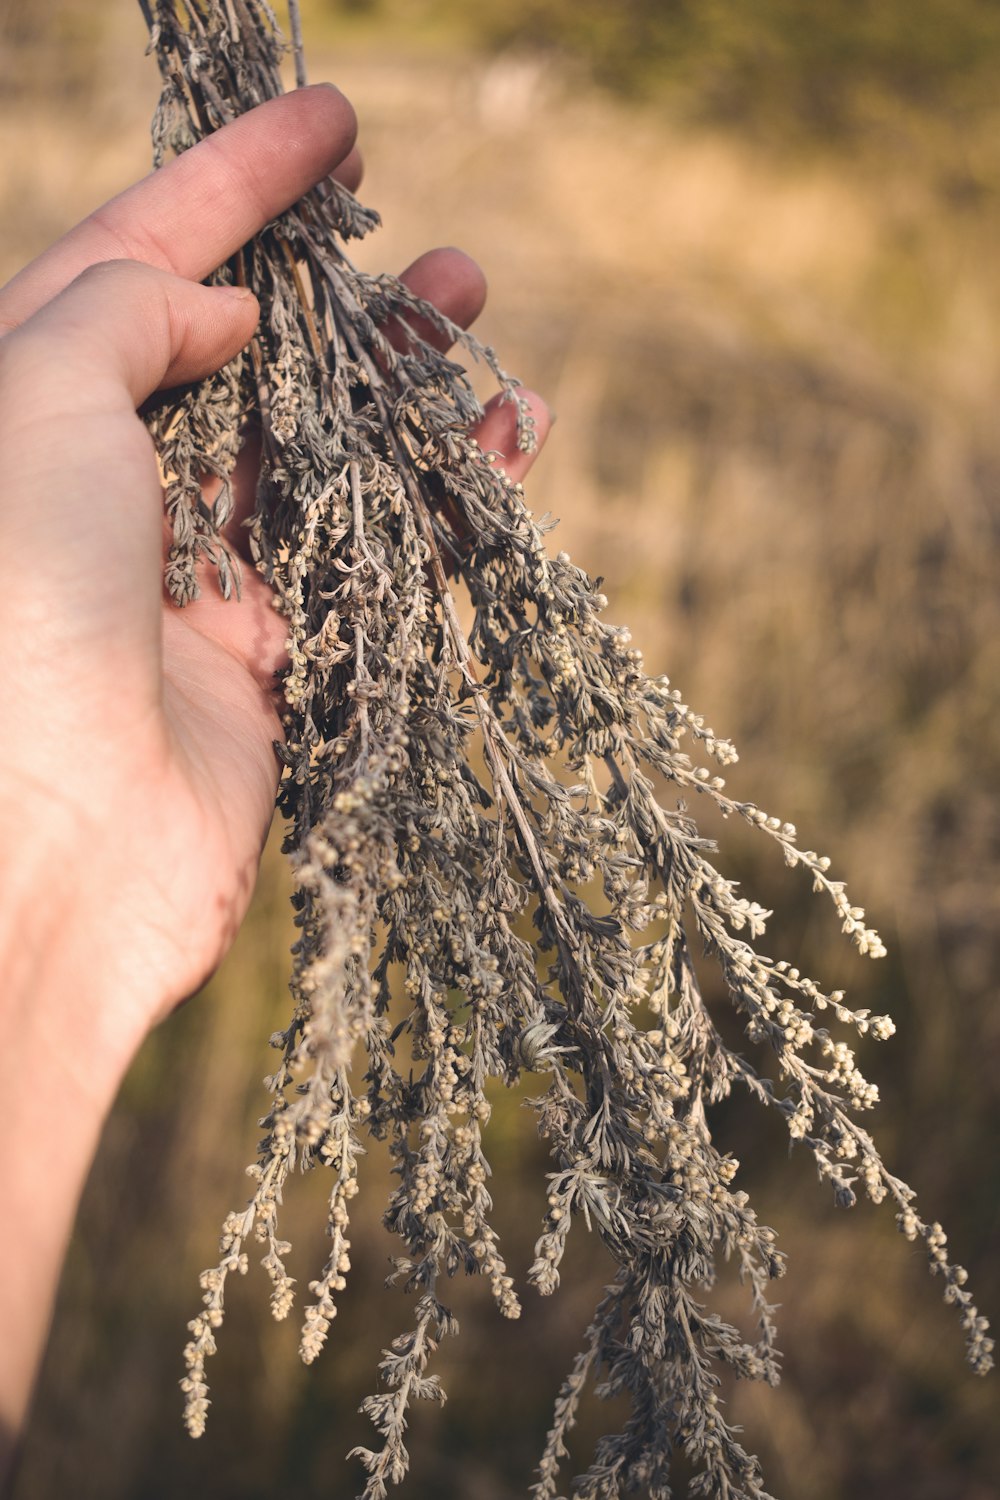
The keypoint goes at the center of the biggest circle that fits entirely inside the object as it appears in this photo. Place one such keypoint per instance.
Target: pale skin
(137, 769)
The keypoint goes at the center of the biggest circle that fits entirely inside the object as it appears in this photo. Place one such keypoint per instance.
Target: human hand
(143, 746)
(137, 771)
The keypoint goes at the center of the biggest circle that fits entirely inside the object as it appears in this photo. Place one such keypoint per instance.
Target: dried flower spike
(441, 786)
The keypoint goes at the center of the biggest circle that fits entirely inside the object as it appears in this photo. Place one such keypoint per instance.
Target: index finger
(191, 215)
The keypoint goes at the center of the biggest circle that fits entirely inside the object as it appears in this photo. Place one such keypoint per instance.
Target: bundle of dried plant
(441, 787)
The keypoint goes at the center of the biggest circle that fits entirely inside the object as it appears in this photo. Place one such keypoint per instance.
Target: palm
(210, 797)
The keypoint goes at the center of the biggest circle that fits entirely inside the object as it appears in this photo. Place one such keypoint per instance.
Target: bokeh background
(750, 255)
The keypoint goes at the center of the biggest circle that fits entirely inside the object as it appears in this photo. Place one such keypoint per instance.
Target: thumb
(81, 512)
(126, 325)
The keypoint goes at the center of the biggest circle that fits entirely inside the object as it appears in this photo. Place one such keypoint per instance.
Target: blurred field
(776, 377)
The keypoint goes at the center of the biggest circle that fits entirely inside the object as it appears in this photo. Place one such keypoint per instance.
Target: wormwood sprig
(442, 788)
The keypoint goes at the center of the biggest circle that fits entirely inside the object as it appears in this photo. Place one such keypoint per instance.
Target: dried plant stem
(295, 23)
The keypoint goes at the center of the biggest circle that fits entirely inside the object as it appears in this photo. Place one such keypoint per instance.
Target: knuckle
(101, 272)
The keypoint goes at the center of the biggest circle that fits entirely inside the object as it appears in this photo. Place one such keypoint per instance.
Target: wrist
(65, 1059)
(58, 993)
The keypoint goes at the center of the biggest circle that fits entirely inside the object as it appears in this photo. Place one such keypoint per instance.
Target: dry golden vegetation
(775, 377)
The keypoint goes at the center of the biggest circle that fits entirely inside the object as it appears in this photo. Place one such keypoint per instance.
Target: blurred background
(750, 256)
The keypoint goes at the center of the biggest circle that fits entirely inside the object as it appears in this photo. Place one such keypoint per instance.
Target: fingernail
(238, 293)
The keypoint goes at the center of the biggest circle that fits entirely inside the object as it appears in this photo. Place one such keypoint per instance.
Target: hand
(137, 771)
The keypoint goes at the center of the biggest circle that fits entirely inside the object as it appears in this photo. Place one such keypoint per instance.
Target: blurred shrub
(776, 60)
(788, 70)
